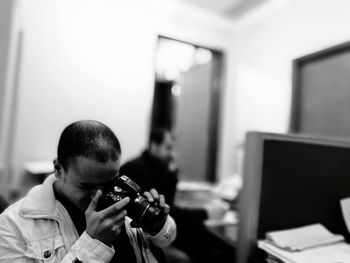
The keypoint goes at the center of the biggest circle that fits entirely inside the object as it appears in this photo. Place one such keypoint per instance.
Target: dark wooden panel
(291, 181)
(321, 93)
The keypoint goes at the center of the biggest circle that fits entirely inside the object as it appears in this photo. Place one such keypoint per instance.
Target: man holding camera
(61, 220)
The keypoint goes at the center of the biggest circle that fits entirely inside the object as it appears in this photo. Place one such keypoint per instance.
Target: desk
(224, 233)
(206, 241)
(227, 233)
(223, 241)
(226, 228)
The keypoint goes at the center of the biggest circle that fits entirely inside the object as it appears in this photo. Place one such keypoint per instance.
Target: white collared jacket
(38, 228)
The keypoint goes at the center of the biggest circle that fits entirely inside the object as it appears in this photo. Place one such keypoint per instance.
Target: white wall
(264, 51)
(6, 15)
(94, 59)
(88, 59)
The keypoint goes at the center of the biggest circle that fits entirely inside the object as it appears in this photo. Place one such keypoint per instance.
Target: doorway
(188, 81)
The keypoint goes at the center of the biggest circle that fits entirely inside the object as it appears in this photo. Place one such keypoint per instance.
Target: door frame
(214, 121)
(297, 64)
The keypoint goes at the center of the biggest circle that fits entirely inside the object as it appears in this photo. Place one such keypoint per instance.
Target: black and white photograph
(175, 131)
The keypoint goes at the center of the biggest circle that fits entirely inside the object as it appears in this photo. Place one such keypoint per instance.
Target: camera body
(139, 209)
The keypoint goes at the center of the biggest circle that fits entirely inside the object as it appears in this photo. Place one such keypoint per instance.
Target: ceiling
(233, 9)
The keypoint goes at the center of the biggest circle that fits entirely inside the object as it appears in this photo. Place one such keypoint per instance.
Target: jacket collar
(40, 200)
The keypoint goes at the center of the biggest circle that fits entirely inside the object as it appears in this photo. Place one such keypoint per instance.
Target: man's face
(165, 150)
(84, 177)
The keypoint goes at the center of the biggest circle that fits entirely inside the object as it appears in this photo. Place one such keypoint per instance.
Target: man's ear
(58, 168)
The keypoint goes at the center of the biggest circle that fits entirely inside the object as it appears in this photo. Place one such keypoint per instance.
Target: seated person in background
(156, 168)
(59, 220)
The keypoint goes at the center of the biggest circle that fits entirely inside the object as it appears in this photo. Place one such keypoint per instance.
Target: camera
(139, 209)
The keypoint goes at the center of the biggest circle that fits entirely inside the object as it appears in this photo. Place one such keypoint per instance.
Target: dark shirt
(192, 236)
(150, 172)
(77, 216)
(124, 250)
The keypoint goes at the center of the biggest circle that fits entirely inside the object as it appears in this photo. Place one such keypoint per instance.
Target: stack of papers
(336, 253)
(311, 243)
(301, 238)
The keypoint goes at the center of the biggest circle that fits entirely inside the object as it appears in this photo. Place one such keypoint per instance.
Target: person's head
(88, 157)
(161, 145)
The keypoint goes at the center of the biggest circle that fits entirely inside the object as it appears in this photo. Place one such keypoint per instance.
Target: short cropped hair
(89, 139)
(157, 135)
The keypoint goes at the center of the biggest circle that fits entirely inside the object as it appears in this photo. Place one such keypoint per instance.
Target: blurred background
(208, 70)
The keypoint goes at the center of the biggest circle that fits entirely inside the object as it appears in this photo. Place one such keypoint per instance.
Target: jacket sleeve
(14, 248)
(166, 235)
(87, 249)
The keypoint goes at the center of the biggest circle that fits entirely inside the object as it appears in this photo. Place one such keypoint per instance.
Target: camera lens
(150, 215)
(143, 212)
(139, 209)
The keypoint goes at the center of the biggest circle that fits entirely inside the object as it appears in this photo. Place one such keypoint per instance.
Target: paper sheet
(303, 237)
(336, 253)
(345, 208)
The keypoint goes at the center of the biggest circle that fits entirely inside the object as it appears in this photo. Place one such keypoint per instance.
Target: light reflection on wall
(174, 57)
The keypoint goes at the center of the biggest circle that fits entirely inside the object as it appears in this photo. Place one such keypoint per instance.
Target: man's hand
(157, 200)
(105, 225)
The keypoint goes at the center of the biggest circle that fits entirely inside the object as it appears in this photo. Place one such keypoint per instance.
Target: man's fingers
(154, 193)
(94, 201)
(120, 216)
(117, 226)
(161, 201)
(115, 208)
(148, 196)
(166, 209)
